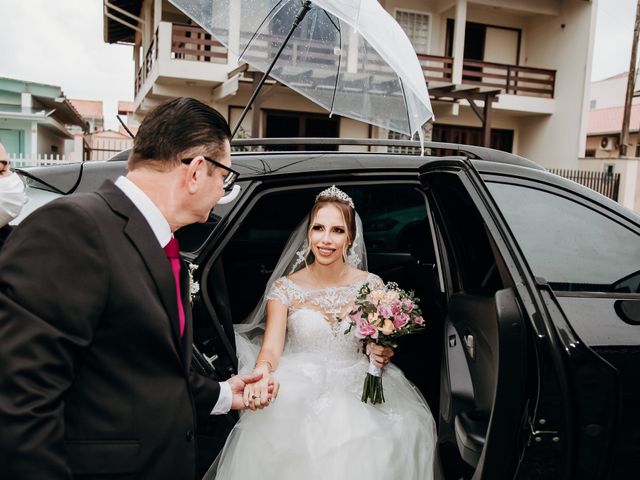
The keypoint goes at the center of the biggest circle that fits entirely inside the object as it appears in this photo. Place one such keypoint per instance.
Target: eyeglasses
(229, 179)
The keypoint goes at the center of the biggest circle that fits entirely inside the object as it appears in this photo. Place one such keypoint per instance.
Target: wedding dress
(318, 428)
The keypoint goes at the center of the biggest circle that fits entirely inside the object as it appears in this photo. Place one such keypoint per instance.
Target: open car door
(486, 371)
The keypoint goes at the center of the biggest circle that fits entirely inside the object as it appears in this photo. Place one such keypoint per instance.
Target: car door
(490, 372)
(585, 253)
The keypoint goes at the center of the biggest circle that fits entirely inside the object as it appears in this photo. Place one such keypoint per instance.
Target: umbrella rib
(406, 106)
(331, 19)
(255, 34)
(335, 87)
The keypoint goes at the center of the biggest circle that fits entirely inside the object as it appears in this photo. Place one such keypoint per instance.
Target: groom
(95, 327)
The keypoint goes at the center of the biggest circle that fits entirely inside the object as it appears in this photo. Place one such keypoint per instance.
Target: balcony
(512, 79)
(181, 54)
(181, 59)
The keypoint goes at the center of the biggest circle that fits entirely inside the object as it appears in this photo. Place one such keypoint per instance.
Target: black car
(530, 285)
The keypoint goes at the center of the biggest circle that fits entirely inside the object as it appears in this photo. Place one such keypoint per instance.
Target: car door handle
(470, 345)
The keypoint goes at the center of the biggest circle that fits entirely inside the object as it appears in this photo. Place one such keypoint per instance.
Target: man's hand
(379, 355)
(237, 384)
(261, 393)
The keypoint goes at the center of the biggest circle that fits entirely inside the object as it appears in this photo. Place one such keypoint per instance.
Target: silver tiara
(335, 192)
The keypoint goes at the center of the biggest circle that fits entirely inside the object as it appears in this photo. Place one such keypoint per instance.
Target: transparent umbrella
(349, 56)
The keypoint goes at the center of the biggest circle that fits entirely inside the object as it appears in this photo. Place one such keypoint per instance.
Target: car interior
(433, 243)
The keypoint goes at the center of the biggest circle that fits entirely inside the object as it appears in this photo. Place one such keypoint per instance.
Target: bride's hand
(261, 393)
(379, 355)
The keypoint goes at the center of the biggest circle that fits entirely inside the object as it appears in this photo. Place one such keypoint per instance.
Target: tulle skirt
(318, 428)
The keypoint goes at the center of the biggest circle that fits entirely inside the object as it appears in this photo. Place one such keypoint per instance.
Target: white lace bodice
(316, 316)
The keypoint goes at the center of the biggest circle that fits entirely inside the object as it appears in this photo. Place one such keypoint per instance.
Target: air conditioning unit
(608, 143)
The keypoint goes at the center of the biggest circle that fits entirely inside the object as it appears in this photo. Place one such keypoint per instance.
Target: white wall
(564, 43)
(610, 92)
(47, 139)
(629, 170)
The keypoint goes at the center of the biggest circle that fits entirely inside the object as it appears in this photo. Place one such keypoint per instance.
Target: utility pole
(624, 135)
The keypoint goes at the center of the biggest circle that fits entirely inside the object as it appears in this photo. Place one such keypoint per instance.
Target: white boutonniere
(194, 287)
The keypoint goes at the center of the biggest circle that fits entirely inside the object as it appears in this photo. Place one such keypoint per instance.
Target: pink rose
(408, 305)
(418, 320)
(396, 308)
(384, 310)
(364, 329)
(401, 320)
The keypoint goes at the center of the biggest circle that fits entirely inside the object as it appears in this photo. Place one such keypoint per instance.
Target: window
(569, 245)
(472, 263)
(193, 237)
(500, 139)
(284, 124)
(416, 26)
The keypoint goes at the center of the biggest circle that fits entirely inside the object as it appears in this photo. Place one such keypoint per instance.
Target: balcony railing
(608, 184)
(513, 79)
(193, 43)
(150, 59)
(189, 42)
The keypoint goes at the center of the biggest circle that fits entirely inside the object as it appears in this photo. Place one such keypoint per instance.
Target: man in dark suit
(95, 330)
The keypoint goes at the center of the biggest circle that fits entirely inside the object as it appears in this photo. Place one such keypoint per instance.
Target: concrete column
(33, 149)
(234, 34)
(352, 55)
(458, 41)
(157, 14)
(628, 189)
(25, 100)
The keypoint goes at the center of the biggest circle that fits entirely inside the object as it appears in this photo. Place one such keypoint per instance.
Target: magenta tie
(172, 251)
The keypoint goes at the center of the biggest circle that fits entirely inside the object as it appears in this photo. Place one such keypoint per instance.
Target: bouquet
(382, 316)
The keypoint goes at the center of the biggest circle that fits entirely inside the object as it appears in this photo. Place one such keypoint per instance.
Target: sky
(60, 42)
(614, 34)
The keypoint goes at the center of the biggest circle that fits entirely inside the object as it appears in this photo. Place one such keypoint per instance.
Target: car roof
(279, 162)
(63, 179)
(88, 176)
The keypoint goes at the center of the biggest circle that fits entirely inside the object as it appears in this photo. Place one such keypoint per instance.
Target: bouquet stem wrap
(372, 390)
(381, 316)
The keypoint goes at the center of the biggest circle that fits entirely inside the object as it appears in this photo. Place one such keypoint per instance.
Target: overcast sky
(60, 42)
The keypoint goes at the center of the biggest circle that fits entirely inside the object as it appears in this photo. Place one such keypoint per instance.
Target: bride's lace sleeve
(375, 282)
(279, 291)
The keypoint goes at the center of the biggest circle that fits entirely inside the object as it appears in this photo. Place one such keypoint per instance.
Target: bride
(318, 428)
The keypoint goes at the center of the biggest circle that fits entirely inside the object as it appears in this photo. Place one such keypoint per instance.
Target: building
(603, 138)
(125, 111)
(97, 143)
(91, 111)
(610, 92)
(510, 74)
(36, 120)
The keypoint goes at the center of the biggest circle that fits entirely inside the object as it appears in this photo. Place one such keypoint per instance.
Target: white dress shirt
(162, 231)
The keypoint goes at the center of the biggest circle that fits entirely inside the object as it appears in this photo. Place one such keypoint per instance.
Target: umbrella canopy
(349, 56)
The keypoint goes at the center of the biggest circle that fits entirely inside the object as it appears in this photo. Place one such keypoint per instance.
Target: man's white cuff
(223, 405)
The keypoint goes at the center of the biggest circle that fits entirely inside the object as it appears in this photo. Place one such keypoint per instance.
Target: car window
(193, 237)
(568, 244)
(473, 264)
(395, 232)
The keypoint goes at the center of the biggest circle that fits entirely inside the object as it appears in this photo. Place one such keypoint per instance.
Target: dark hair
(347, 212)
(177, 128)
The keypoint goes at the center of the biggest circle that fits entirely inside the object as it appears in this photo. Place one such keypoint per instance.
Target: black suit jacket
(94, 377)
